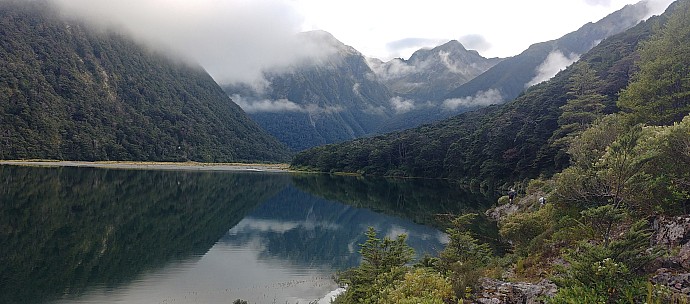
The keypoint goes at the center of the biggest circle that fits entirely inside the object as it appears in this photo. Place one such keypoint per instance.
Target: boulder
(500, 292)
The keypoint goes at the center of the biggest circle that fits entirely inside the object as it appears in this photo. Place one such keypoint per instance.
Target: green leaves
(383, 262)
(660, 92)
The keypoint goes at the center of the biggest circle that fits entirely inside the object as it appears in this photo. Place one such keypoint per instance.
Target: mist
(254, 105)
(482, 98)
(554, 63)
(235, 41)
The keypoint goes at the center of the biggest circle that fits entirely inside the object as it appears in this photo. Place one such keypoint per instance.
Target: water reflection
(77, 235)
(313, 232)
(63, 230)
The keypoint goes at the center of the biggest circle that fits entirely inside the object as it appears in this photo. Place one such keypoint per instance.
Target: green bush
(421, 285)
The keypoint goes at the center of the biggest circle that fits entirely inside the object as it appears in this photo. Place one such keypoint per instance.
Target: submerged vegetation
(590, 234)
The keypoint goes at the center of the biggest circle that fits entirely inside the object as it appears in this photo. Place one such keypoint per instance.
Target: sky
(235, 40)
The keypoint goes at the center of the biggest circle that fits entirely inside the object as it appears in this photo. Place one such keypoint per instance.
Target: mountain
(68, 91)
(430, 74)
(500, 143)
(513, 75)
(325, 99)
(508, 78)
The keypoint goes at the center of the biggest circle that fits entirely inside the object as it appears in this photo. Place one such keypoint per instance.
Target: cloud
(606, 3)
(393, 69)
(234, 40)
(265, 105)
(482, 98)
(408, 45)
(475, 42)
(451, 64)
(401, 105)
(554, 63)
(250, 105)
(656, 7)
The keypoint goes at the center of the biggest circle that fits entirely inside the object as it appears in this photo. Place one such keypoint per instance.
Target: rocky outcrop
(499, 292)
(501, 212)
(671, 231)
(673, 235)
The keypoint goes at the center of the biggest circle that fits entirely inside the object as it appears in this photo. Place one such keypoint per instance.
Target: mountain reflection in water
(80, 235)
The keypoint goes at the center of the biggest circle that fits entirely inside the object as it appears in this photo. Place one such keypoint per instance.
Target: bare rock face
(499, 292)
(671, 233)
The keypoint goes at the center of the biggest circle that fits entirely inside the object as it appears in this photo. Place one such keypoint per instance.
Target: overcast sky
(235, 39)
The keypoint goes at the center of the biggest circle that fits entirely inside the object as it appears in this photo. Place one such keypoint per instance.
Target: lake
(85, 235)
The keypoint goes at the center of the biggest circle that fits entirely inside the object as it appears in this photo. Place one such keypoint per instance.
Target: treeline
(69, 92)
(498, 144)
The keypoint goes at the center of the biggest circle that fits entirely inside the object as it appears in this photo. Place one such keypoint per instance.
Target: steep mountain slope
(430, 74)
(508, 78)
(322, 100)
(496, 144)
(514, 74)
(67, 92)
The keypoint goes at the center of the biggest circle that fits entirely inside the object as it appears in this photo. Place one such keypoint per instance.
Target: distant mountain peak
(323, 41)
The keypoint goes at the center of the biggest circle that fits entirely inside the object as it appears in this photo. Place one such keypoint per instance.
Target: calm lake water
(80, 235)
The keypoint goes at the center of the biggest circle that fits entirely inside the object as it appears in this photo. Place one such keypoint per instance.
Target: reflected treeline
(420, 200)
(310, 231)
(65, 229)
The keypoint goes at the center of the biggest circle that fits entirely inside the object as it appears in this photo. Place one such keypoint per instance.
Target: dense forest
(599, 157)
(70, 92)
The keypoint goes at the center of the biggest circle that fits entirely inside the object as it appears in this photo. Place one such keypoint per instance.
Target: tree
(383, 262)
(585, 105)
(660, 92)
(464, 258)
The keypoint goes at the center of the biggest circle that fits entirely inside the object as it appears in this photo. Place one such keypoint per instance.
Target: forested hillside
(500, 143)
(70, 92)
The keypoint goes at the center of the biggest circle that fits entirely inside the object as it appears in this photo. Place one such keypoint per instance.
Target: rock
(679, 283)
(500, 292)
(502, 211)
(671, 231)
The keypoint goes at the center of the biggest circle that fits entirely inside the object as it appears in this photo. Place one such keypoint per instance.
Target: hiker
(542, 201)
(511, 194)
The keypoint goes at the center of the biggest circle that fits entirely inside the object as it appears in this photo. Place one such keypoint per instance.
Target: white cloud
(393, 69)
(265, 105)
(554, 63)
(475, 42)
(401, 105)
(450, 64)
(250, 105)
(599, 2)
(234, 40)
(482, 98)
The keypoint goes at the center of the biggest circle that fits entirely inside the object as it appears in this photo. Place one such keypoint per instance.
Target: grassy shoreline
(194, 166)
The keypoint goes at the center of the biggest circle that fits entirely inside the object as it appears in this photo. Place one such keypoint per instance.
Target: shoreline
(190, 166)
